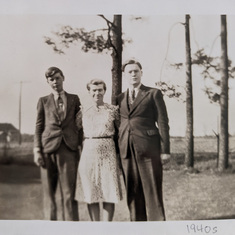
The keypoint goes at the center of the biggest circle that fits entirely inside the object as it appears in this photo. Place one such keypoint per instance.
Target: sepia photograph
(121, 117)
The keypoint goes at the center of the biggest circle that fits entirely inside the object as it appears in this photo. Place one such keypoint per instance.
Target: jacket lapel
(124, 105)
(69, 103)
(51, 105)
(141, 95)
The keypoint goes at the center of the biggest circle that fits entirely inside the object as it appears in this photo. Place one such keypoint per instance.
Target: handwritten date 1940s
(199, 228)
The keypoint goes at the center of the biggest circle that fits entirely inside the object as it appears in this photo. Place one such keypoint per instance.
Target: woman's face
(97, 93)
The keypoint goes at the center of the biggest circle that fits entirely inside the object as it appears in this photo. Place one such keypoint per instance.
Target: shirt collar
(56, 94)
(136, 88)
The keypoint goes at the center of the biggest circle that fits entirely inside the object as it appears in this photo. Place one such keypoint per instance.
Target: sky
(157, 40)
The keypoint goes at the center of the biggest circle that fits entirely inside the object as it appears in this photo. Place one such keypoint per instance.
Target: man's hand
(39, 159)
(165, 157)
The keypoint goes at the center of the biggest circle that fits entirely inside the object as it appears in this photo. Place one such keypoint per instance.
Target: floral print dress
(98, 171)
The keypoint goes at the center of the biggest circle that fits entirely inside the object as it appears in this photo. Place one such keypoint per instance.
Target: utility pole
(20, 112)
(20, 97)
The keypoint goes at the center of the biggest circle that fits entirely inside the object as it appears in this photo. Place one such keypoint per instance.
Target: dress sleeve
(116, 116)
(79, 119)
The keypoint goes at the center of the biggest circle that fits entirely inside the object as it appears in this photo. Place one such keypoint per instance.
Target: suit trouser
(143, 180)
(60, 174)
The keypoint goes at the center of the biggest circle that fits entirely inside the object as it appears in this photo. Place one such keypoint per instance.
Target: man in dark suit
(56, 143)
(143, 145)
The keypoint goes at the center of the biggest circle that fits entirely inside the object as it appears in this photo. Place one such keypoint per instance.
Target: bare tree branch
(108, 21)
(110, 26)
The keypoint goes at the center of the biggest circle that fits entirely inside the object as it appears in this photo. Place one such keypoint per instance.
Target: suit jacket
(50, 131)
(140, 122)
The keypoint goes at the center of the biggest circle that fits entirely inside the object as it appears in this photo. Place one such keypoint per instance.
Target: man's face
(97, 92)
(133, 74)
(56, 82)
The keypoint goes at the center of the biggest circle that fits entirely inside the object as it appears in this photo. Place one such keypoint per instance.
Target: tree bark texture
(116, 57)
(189, 139)
(224, 139)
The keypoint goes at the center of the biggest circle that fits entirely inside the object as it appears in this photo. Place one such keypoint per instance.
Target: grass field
(203, 146)
(204, 195)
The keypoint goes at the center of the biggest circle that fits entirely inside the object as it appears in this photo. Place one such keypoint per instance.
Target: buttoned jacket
(50, 131)
(146, 121)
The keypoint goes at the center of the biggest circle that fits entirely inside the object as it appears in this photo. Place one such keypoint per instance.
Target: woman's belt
(99, 137)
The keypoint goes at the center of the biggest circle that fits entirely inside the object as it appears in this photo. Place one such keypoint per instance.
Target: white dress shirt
(64, 98)
(136, 89)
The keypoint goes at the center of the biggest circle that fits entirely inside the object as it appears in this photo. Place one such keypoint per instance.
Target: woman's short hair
(52, 71)
(95, 82)
(131, 61)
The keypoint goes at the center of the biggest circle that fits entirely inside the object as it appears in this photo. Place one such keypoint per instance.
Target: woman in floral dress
(98, 172)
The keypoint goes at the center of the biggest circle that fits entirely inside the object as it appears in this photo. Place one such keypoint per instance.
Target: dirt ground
(202, 196)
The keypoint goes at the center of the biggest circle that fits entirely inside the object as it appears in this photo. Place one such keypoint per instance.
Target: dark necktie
(132, 96)
(60, 107)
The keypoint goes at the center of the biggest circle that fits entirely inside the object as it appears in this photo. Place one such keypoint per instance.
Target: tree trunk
(116, 57)
(189, 154)
(224, 146)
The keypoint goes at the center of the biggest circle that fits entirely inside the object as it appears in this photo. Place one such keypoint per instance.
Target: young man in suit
(143, 145)
(56, 144)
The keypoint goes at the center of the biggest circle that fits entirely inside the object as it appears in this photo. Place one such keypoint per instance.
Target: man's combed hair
(52, 71)
(131, 61)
